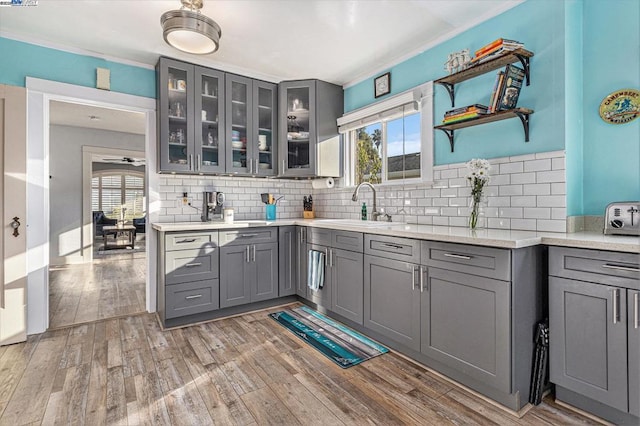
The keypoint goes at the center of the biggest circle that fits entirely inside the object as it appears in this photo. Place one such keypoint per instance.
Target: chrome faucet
(375, 213)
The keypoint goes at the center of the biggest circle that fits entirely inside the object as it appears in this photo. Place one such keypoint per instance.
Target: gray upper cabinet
(209, 121)
(309, 141)
(175, 105)
(466, 325)
(251, 114)
(288, 260)
(392, 300)
(588, 337)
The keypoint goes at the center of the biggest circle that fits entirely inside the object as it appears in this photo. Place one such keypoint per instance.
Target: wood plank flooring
(112, 285)
(246, 370)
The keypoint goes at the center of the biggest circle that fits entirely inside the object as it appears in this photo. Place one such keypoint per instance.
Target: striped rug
(337, 342)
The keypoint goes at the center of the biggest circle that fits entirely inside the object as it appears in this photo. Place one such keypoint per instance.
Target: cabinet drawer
(319, 236)
(192, 298)
(190, 240)
(483, 261)
(191, 265)
(267, 234)
(603, 267)
(347, 240)
(403, 249)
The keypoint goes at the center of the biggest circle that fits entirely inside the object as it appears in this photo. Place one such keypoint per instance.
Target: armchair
(100, 220)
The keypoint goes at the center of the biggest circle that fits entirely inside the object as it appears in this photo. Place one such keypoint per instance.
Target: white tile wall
(526, 192)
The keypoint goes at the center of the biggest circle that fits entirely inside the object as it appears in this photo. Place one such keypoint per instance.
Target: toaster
(622, 218)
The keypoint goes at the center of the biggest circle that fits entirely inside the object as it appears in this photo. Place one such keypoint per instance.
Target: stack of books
(464, 113)
(493, 49)
(506, 89)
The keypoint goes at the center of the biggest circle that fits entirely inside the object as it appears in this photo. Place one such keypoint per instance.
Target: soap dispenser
(364, 211)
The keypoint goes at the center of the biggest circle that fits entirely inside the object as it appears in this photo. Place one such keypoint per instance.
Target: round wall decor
(621, 106)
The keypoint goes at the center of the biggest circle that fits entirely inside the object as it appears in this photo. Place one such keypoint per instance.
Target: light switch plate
(103, 78)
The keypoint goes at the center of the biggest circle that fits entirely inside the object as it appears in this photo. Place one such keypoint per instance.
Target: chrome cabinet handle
(250, 165)
(395, 246)
(621, 267)
(247, 235)
(283, 166)
(189, 240)
(191, 162)
(457, 256)
(616, 308)
(198, 162)
(195, 296)
(246, 254)
(254, 252)
(257, 168)
(191, 265)
(326, 257)
(413, 276)
(636, 319)
(422, 270)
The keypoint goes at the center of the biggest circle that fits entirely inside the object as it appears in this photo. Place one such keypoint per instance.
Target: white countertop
(485, 237)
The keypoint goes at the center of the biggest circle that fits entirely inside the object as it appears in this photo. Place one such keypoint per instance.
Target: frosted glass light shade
(191, 32)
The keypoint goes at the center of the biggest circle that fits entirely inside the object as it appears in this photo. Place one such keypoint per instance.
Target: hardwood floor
(245, 370)
(113, 285)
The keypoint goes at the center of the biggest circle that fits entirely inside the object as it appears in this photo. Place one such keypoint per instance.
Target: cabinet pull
(190, 161)
(283, 166)
(195, 296)
(191, 265)
(198, 162)
(257, 168)
(616, 308)
(250, 161)
(186, 240)
(247, 235)
(395, 246)
(326, 257)
(457, 256)
(422, 270)
(636, 319)
(621, 267)
(413, 277)
(253, 249)
(246, 254)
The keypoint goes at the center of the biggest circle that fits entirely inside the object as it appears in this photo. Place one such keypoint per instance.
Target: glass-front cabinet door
(238, 119)
(265, 133)
(175, 103)
(298, 100)
(209, 121)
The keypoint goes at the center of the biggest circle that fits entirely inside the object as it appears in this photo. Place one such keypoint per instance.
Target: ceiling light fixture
(189, 30)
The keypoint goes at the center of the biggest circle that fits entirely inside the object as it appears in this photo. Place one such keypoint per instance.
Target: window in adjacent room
(110, 192)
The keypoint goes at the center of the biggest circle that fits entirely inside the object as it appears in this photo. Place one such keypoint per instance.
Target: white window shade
(403, 103)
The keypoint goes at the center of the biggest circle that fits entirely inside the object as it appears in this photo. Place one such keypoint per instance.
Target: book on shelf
(497, 42)
(495, 91)
(481, 109)
(496, 51)
(507, 96)
(461, 117)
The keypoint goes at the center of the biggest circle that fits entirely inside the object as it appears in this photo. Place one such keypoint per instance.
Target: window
(111, 192)
(390, 141)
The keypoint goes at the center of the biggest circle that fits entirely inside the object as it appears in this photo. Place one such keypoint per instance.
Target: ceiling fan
(125, 160)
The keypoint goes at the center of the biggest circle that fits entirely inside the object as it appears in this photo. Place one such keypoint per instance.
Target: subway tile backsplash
(526, 192)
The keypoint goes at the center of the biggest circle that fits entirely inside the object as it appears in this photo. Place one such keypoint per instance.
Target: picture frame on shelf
(382, 85)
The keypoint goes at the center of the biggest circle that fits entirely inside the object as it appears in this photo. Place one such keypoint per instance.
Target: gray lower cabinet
(188, 274)
(301, 267)
(595, 331)
(466, 325)
(347, 284)
(586, 340)
(392, 300)
(248, 273)
(288, 260)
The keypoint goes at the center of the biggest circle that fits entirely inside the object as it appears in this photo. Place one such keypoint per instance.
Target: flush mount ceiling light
(189, 30)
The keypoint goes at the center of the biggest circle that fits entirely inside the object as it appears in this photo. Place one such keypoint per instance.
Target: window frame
(123, 187)
(375, 113)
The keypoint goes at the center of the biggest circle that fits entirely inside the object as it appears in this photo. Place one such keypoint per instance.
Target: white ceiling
(335, 40)
(92, 117)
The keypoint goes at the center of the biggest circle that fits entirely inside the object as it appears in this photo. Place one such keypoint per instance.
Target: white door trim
(40, 93)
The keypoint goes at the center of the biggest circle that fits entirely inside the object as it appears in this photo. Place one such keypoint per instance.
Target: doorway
(41, 93)
(96, 171)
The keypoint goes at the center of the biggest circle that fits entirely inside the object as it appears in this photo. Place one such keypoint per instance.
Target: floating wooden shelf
(522, 113)
(518, 55)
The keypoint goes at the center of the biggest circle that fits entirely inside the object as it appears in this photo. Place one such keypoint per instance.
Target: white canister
(227, 214)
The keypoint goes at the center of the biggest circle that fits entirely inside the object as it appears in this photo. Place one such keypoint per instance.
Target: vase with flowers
(478, 177)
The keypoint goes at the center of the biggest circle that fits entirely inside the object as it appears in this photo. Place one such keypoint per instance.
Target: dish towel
(315, 275)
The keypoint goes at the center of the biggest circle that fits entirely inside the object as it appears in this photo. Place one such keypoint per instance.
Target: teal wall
(611, 153)
(19, 60)
(584, 50)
